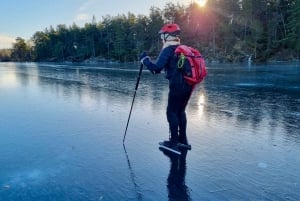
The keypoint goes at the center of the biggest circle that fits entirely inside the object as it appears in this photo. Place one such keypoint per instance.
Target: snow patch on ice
(27, 178)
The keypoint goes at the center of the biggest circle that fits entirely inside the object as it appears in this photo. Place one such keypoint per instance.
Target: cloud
(6, 41)
(82, 15)
(86, 5)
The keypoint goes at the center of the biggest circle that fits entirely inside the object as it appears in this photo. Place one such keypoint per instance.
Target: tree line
(231, 31)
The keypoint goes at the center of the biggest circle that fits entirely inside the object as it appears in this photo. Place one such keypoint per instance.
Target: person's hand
(144, 57)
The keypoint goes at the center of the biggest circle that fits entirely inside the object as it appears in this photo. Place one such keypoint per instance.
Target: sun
(201, 3)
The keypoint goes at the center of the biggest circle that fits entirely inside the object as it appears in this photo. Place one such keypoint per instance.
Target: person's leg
(182, 120)
(172, 115)
(182, 128)
(173, 123)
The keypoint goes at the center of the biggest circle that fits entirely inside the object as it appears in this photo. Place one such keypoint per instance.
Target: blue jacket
(166, 61)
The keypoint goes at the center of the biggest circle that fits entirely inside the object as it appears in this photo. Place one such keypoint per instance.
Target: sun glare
(8, 80)
(201, 102)
(201, 3)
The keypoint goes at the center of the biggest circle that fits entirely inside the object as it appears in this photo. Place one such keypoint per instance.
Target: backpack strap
(184, 52)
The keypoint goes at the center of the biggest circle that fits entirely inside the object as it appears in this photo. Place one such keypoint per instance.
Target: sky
(23, 18)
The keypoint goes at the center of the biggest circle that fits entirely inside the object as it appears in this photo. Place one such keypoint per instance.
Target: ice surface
(61, 131)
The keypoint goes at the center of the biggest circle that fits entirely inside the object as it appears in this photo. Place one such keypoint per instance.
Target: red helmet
(172, 29)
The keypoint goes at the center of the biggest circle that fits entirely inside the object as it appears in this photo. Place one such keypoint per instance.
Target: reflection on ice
(176, 185)
(8, 79)
(87, 100)
(254, 84)
(201, 104)
(231, 112)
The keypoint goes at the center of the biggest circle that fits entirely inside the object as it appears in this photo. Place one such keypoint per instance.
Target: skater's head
(169, 34)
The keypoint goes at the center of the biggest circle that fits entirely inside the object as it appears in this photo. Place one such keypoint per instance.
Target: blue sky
(22, 18)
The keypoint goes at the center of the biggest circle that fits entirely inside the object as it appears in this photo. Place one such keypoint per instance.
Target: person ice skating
(179, 90)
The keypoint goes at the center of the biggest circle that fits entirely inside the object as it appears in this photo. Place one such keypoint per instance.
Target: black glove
(143, 57)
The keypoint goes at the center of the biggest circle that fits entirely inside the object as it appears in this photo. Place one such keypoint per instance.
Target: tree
(230, 30)
(294, 27)
(153, 42)
(5, 55)
(21, 52)
(141, 34)
(253, 26)
(41, 45)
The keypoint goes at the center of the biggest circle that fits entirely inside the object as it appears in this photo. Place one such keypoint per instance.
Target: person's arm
(160, 63)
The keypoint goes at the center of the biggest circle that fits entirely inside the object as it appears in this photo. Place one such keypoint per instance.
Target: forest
(223, 31)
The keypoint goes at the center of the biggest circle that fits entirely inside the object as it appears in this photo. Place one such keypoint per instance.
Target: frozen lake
(61, 131)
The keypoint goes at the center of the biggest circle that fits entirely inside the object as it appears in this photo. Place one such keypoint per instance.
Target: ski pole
(136, 87)
(136, 186)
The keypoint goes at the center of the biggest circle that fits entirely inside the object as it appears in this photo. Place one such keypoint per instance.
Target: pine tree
(294, 27)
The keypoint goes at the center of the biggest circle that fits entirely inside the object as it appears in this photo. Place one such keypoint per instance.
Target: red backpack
(191, 62)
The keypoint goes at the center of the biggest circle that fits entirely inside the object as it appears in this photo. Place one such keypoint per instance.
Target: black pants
(179, 96)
